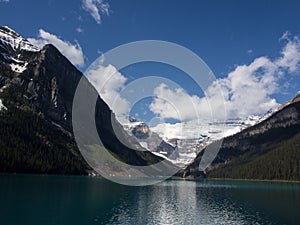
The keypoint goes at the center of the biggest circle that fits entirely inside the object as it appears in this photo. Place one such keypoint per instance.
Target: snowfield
(193, 136)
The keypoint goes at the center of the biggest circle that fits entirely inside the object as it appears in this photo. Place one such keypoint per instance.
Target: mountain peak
(50, 47)
(296, 98)
(15, 51)
(9, 30)
(9, 37)
(293, 100)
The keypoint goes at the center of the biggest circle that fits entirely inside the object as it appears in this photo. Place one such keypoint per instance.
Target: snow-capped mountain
(15, 50)
(15, 40)
(214, 130)
(186, 138)
(149, 139)
(191, 137)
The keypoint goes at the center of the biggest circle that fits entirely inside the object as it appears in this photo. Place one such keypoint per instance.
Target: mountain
(15, 50)
(151, 140)
(191, 137)
(267, 150)
(37, 88)
(181, 142)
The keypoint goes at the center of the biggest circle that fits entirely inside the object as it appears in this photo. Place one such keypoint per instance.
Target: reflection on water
(178, 202)
(175, 202)
(58, 200)
(159, 204)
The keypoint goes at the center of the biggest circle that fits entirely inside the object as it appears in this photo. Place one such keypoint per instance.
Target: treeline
(30, 144)
(279, 163)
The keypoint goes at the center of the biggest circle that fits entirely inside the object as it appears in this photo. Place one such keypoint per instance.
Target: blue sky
(225, 34)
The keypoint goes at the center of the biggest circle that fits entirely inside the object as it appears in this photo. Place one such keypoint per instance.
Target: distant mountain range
(267, 150)
(37, 87)
(192, 136)
(180, 142)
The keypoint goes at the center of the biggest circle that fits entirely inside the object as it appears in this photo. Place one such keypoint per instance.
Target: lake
(45, 199)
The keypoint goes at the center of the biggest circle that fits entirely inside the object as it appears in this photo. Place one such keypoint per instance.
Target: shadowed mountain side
(36, 124)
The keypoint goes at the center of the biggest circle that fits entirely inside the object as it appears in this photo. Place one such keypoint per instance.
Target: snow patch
(2, 107)
(2, 89)
(18, 68)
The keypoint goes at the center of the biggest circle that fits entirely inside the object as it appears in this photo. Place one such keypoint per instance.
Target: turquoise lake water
(44, 199)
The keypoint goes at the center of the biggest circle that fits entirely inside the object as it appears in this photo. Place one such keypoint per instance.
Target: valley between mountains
(37, 88)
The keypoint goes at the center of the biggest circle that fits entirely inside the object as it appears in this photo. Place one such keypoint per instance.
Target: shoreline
(170, 178)
(233, 179)
(255, 180)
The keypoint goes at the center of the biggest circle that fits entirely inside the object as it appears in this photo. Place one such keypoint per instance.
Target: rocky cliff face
(36, 113)
(151, 140)
(239, 154)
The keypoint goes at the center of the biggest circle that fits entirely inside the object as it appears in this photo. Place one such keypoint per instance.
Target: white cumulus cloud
(177, 104)
(109, 82)
(96, 8)
(247, 90)
(290, 54)
(72, 51)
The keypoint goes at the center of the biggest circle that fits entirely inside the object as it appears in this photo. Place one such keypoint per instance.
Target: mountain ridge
(242, 150)
(36, 123)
